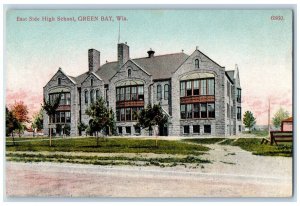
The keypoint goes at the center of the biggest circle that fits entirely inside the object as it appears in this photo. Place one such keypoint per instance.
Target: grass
(110, 145)
(253, 145)
(108, 160)
(204, 140)
(258, 133)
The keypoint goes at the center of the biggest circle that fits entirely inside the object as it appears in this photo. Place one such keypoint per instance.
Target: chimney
(123, 54)
(94, 60)
(150, 53)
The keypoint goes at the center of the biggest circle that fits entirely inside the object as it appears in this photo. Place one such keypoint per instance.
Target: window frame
(166, 91)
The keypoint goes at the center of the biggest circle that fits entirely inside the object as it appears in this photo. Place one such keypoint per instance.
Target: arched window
(92, 96)
(86, 98)
(97, 94)
(196, 63)
(59, 81)
(166, 92)
(129, 73)
(159, 95)
(92, 82)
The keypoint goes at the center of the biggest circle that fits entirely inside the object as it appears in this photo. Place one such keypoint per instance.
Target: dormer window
(129, 73)
(197, 63)
(92, 82)
(59, 81)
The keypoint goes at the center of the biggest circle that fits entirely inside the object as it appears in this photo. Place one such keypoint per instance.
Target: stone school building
(196, 93)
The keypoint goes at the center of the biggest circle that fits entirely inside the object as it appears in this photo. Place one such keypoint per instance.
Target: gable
(65, 79)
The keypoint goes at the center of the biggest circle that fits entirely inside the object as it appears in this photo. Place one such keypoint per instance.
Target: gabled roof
(230, 74)
(160, 67)
(290, 119)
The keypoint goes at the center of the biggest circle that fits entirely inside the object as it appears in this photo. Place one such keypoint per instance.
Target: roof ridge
(159, 55)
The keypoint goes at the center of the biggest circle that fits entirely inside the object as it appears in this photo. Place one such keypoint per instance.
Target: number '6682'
(278, 18)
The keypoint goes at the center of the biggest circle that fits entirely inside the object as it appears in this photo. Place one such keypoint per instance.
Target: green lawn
(110, 145)
(253, 145)
(107, 160)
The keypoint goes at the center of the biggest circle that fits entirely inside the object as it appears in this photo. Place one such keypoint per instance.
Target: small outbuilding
(287, 124)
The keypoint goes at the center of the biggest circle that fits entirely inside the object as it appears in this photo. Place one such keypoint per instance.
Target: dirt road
(233, 173)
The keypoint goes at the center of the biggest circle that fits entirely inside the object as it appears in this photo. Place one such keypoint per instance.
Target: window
(128, 114)
(166, 92)
(196, 63)
(92, 96)
(189, 88)
(239, 113)
(62, 99)
(134, 113)
(59, 81)
(141, 92)
(186, 129)
(137, 130)
(129, 73)
(228, 88)
(182, 89)
(127, 93)
(86, 97)
(128, 130)
(189, 111)
(68, 98)
(62, 117)
(203, 110)
(203, 86)
(122, 92)
(97, 94)
(133, 93)
(57, 115)
(159, 95)
(211, 86)
(92, 82)
(240, 128)
(122, 114)
(196, 110)
(238, 96)
(231, 110)
(196, 129)
(182, 111)
(207, 129)
(120, 130)
(211, 110)
(68, 117)
(196, 87)
(228, 112)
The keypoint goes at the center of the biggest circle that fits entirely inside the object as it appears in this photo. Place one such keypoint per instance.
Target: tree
(280, 115)
(20, 112)
(151, 116)
(249, 120)
(50, 108)
(37, 122)
(101, 118)
(81, 127)
(11, 124)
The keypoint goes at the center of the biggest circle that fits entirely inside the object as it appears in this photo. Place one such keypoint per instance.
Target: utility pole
(269, 110)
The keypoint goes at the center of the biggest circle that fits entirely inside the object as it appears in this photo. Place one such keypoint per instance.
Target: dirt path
(234, 173)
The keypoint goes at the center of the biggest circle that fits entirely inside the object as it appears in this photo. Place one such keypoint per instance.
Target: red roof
(290, 119)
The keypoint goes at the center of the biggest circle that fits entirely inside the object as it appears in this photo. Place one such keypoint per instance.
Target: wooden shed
(287, 124)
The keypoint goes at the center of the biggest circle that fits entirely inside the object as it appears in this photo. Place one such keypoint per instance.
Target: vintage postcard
(149, 102)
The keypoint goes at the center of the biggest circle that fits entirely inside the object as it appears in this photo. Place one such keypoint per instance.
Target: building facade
(197, 94)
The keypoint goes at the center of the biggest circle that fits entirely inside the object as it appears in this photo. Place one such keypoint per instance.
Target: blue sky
(261, 47)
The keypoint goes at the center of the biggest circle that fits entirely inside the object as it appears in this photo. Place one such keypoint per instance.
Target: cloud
(32, 100)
